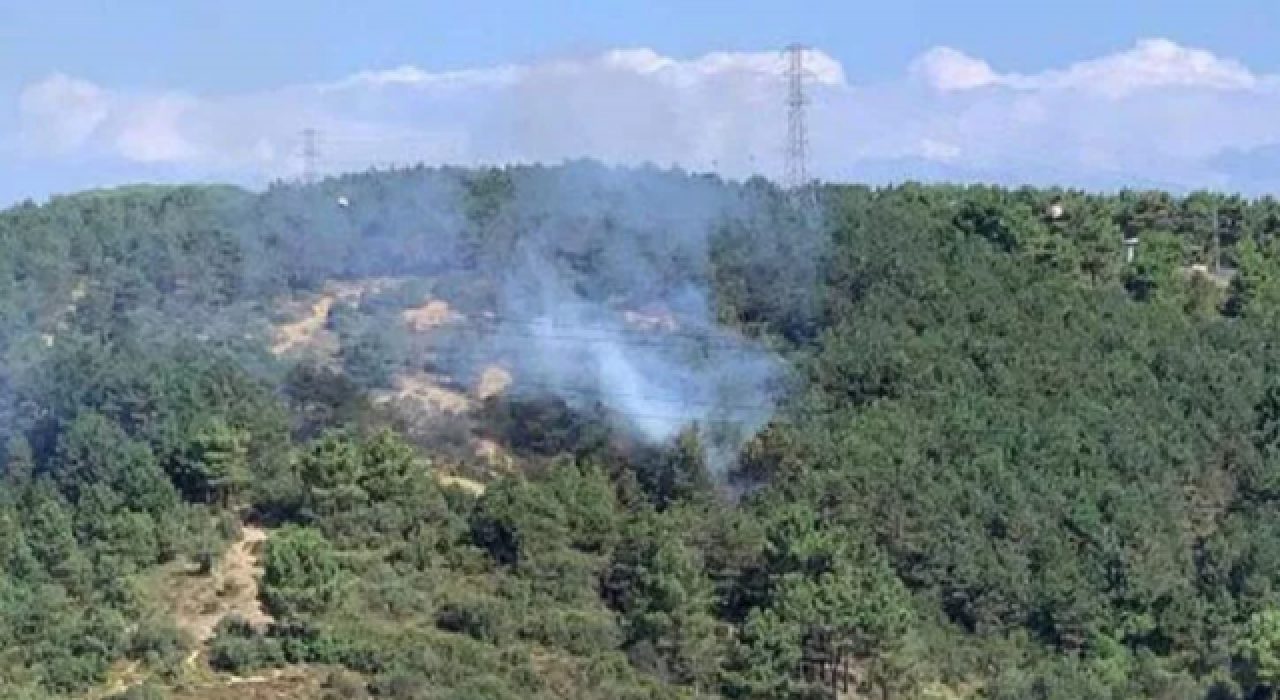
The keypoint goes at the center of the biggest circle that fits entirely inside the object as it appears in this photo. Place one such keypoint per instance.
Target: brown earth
(309, 328)
(424, 391)
(475, 488)
(120, 677)
(419, 393)
(429, 392)
(493, 381)
(294, 683)
(197, 603)
(232, 588)
(289, 683)
(429, 316)
(303, 332)
(493, 454)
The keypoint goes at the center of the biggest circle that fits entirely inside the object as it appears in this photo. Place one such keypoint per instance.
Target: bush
(229, 526)
(575, 631)
(158, 642)
(403, 685)
(237, 648)
(343, 685)
(301, 575)
(373, 357)
(484, 619)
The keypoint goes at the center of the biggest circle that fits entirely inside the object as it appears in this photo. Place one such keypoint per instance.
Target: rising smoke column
(597, 241)
(557, 255)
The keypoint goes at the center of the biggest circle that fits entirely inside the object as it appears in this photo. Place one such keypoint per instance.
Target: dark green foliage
(485, 620)
(321, 399)
(518, 522)
(544, 427)
(362, 491)
(159, 643)
(1011, 464)
(238, 648)
(214, 467)
(373, 350)
(301, 574)
(659, 586)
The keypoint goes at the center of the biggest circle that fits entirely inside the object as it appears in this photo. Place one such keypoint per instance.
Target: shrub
(578, 632)
(301, 575)
(343, 685)
(484, 619)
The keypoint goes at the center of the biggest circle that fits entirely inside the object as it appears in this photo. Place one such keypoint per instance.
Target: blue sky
(96, 92)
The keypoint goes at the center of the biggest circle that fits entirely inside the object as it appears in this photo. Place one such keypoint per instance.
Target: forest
(1002, 458)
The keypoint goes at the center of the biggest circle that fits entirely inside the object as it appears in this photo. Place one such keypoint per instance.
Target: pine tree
(660, 586)
(215, 465)
(19, 461)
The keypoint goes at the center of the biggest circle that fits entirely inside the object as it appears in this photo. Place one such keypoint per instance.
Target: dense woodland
(1010, 465)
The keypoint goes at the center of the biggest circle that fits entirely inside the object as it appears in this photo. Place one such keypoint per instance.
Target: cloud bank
(1156, 114)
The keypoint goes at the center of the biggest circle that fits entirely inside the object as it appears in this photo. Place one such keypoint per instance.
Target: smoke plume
(591, 284)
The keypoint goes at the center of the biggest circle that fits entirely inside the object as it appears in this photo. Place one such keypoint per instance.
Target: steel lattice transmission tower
(796, 177)
(310, 154)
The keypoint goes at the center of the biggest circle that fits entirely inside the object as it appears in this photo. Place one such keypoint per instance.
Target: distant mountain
(1256, 171)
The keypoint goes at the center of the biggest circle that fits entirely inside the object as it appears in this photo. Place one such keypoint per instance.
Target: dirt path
(300, 333)
(475, 488)
(242, 568)
(198, 602)
(231, 589)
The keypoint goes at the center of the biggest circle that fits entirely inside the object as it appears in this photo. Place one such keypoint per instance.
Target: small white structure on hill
(1130, 247)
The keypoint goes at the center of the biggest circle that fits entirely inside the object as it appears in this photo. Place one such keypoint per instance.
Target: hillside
(587, 433)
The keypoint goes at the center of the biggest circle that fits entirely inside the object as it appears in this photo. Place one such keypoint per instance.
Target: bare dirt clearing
(430, 398)
(308, 329)
(294, 683)
(199, 603)
(426, 393)
(493, 381)
(475, 488)
(430, 316)
(304, 332)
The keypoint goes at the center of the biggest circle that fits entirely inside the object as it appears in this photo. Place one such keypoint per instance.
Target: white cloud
(944, 68)
(938, 150)
(1150, 64)
(415, 76)
(1156, 112)
(66, 112)
(151, 131)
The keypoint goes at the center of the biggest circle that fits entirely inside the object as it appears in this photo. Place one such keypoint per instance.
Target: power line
(582, 333)
(666, 406)
(660, 407)
(666, 331)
